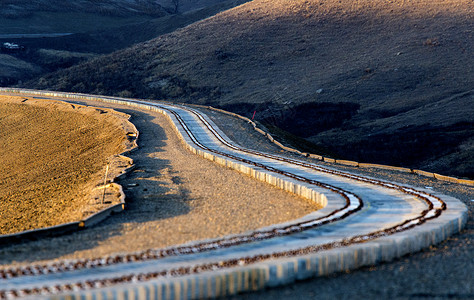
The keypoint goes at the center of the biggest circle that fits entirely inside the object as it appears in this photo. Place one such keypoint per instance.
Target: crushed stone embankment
(173, 197)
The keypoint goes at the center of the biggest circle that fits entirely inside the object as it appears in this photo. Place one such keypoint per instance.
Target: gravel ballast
(173, 197)
(444, 271)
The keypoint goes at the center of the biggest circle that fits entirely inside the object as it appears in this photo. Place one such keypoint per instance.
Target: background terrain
(375, 81)
(58, 35)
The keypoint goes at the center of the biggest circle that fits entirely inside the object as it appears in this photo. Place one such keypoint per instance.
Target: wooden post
(105, 183)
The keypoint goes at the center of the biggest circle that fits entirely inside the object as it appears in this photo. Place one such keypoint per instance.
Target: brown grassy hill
(378, 81)
(51, 154)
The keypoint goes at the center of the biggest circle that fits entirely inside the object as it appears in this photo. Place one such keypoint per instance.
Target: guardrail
(254, 125)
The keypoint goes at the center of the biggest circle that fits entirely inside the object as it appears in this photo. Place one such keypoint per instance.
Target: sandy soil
(173, 197)
(51, 155)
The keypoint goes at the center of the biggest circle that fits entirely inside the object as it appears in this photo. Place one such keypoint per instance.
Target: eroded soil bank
(50, 153)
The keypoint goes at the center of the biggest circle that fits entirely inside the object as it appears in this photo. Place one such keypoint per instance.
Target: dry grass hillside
(50, 152)
(369, 80)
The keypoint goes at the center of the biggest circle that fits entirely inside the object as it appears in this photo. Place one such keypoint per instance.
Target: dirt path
(173, 197)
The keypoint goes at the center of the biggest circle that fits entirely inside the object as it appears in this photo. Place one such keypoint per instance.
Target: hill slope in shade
(92, 32)
(21, 8)
(378, 81)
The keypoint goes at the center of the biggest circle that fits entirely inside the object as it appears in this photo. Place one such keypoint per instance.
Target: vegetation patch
(304, 120)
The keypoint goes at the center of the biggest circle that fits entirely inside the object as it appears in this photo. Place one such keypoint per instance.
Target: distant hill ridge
(23, 8)
(380, 81)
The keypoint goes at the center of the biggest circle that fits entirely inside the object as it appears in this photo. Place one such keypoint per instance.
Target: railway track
(364, 221)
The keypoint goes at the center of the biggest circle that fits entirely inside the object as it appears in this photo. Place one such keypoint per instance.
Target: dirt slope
(49, 154)
(378, 81)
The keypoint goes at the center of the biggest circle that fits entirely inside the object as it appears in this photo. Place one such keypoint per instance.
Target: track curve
(365, 220)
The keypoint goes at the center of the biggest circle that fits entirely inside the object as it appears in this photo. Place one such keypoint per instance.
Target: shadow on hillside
(340, 75)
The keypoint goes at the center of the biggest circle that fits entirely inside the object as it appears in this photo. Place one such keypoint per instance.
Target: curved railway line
(365, 220)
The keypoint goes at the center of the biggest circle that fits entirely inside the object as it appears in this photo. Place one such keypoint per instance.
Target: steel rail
(435, 207)
(353, 204)
(431, 200)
